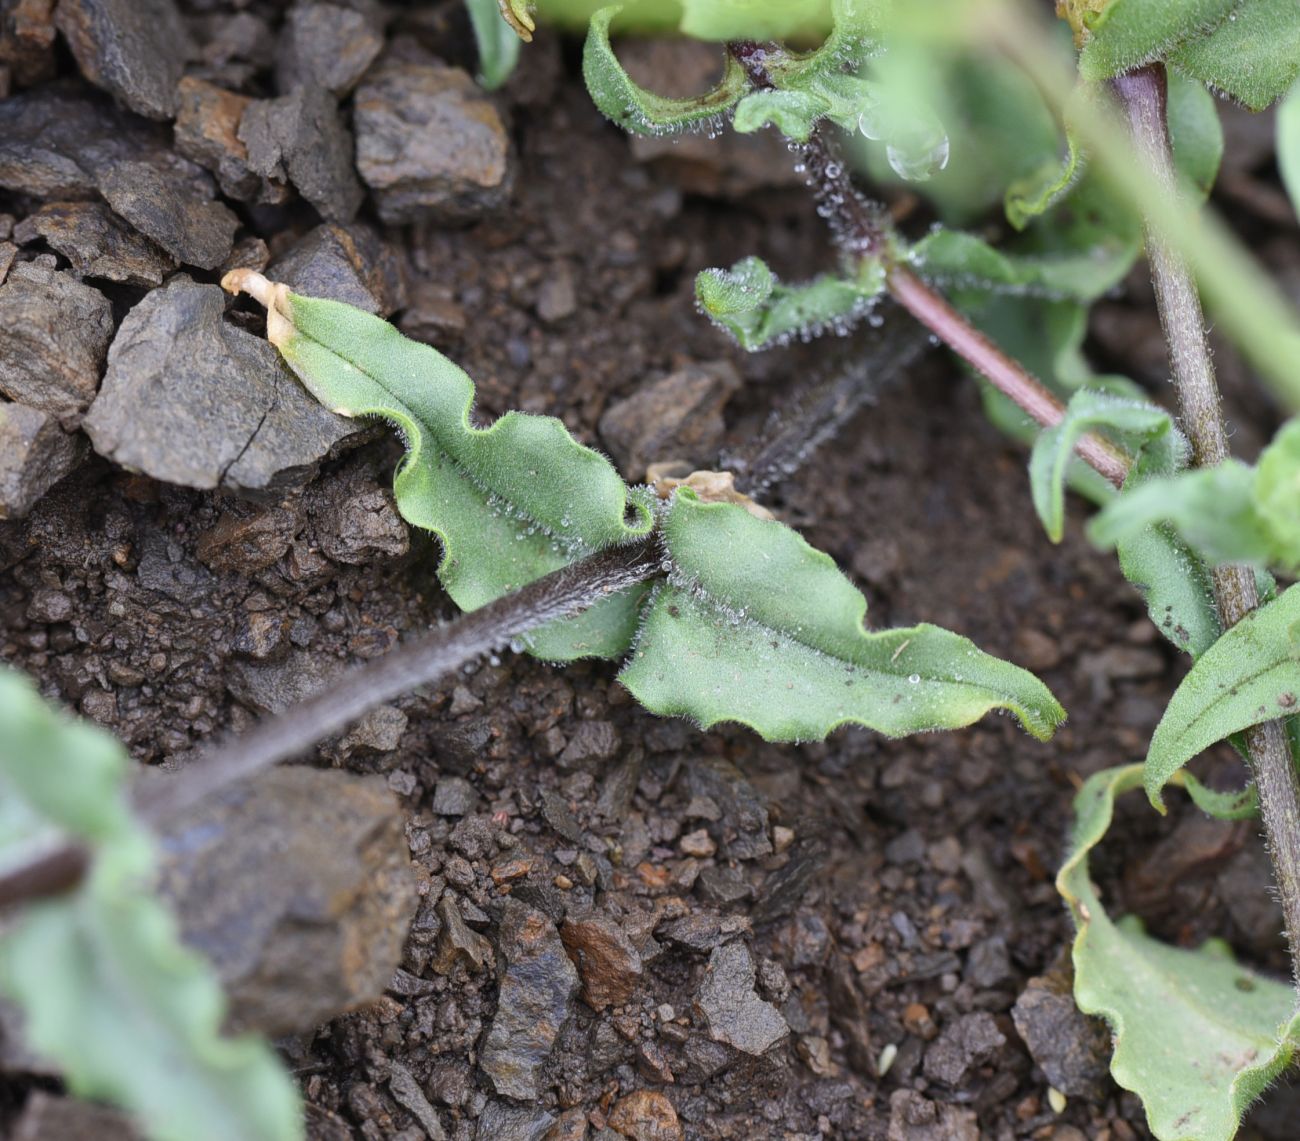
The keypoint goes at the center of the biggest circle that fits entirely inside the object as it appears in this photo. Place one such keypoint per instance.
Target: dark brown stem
(55, 873)
(861, 229)
(1142, 94)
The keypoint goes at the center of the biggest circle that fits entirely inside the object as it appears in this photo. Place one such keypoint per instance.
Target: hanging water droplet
(872, 121)
(914, 678)
(919, 163)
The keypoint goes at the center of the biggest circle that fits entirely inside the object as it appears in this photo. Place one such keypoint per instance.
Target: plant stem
(54, 873)
(1142, 94)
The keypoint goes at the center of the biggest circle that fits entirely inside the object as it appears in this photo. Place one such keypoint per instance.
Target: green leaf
(1197, 1037)
(510, 503)
(1195, 134)
(498, 43)
(1213, 509)
(1253, 55)
(1249, 676)
(1277, 492)
(753, 19)
(1128, 33)
(1288, 144)
(637, 110)
(750, 304)
(1138, 426)
(775, 641)
(108, 992)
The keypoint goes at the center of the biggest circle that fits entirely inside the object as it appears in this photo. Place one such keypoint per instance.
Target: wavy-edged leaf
(1288, 144)
(775, 641)
(108, 991)
(758, 310)
(1249, 676)
(643, 112)
(1128, 33)
(510, 503)
(1138, 426)
(1253, 56)
(1197, 1037)
(498, 42)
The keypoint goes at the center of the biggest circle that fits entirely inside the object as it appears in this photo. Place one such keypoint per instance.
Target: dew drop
(917, 164)
(914, 678)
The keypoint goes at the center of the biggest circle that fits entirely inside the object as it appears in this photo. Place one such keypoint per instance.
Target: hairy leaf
(775, 641)
(1138, 426)
(755, 308)
(1288, 144)
(510, 503)
(1197, 1037)
(1249, 676)
(746, 20)
(1253, 55)
(1277, 492)
(1127, 33)
(643, 112)
(498, 42)
(109, 993)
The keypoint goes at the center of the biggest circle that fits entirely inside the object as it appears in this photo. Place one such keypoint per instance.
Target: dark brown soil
(913, 887)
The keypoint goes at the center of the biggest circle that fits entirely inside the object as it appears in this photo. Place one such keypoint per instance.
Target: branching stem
(1142, 94)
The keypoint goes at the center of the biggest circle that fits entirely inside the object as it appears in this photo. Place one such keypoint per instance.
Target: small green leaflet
(1137, 426)
(1288, 144)
(743, 594)
(1277, 492)
(1128, 33)
(639, 111)
(1252, 56)
(754, 307)
(510, 503)
(1197, 1037)
(108, 991)
(775, 641)
(498, 43)
(1250, 675)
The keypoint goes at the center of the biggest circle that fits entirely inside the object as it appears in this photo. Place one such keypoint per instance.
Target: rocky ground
(615, 926)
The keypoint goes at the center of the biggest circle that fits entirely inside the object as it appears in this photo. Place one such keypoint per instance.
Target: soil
(893, 897)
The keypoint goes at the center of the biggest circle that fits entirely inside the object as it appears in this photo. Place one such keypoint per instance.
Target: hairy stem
(1142, 93)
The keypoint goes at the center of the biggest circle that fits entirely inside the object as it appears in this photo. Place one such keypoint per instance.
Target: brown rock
(207, 132)
(570, 1126)
(645, 1115)
(297, 886)
(914, 1118)
(134, 49)
(35, 453)
(27, 41)
(430, 144)
(56, 334)
(607, 961)
(246, 541)
(676, 418)
(97, 242)
(456, 942)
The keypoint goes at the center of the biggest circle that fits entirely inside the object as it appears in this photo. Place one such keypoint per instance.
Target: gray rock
(35, 453)
(734, 1013)
(328, 45)
(207, 132)
(362, 524)
(988, 963)
(56, 140)
(300, 137)
(702, 930)
(297, 886)
(456, 942)
(351, 264)
(176, 212)
(46, 1117)
(430, 144)
(744, 811)
(454, 796)
(407, 1093)
(676, 418)
(97, 242)
(1071, 1049)
(786, 887)
(723, 887)
(192, 400)
(965, 1043)
(536, 994)
(591, 741)
(134, 49)
(556, 813)
(914, 1118)
(56, 332)
(502, 1122)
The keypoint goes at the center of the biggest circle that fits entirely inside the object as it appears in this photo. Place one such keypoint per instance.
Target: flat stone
(430, 144)
(407, 1093)
(192, 400)
(454, 796)
(502, 1122)
(965, 1043)
(46, 1117)
(56, 140)
(246, 539)
(606, 959)
(457, 943)
(297, 886)
(56, 333)
(134, 49)
(1071, 1049)
(97, 242)
(35, 453)
(300, 137)
(537, 989)
(914, 1118)
(207, 132)
(676, 418)
(183, 220)
(362, 525)
(645, 1115)
(349, 263)
(27, 37)
(328, 45)
(723, 887)
(735, 1015)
